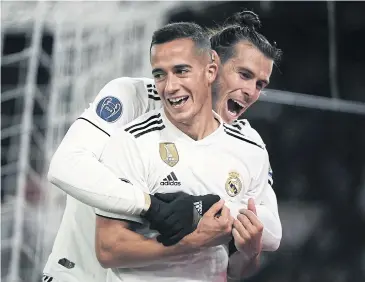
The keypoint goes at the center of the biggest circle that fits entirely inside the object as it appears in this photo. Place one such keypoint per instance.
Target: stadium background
(57, 55)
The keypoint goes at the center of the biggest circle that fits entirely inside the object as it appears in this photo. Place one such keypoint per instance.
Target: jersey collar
(174, 132)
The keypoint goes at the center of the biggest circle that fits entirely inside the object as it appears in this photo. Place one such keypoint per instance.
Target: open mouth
(234, 107)
(178, 102)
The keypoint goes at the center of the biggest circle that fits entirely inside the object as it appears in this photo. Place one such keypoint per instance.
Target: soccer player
(209, 157)
(75, 167)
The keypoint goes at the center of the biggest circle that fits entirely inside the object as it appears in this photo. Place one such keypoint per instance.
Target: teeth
(174, 100)
(178, 102)
(239, 103)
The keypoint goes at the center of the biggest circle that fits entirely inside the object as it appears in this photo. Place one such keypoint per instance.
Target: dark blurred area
(301, 30)
(319, 173)
(317, 156)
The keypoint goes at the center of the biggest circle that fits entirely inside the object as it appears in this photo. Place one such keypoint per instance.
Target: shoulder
(138, 90)
(120, 101)
(248, 130)
(151, 122)
(242, 130)
(132, 85)
(120, 92)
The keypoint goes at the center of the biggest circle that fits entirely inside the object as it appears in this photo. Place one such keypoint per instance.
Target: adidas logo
(199, 207)
(171, 179)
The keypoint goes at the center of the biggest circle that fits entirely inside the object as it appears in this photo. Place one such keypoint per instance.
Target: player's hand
(247, 231)
(174, 215)
(215, 228)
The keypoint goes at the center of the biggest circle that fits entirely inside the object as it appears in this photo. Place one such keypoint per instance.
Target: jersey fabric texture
(151, 152)
(75, 168)
(122, 100)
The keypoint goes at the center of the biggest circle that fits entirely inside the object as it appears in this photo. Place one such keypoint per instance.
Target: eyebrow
(176, 67)
(156, 71)
(252, 73)
(181, 66)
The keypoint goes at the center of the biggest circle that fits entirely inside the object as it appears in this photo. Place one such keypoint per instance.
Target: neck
(200, 126)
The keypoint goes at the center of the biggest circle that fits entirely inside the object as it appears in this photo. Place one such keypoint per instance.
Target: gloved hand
(175, 215)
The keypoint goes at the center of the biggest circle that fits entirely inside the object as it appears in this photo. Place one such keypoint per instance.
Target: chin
(227, 118)
(181, 117)
(230, 120)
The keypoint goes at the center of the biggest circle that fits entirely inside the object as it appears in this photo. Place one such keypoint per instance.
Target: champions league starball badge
(109, 109)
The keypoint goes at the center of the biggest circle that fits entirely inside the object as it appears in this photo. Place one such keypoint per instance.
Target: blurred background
(56, 56)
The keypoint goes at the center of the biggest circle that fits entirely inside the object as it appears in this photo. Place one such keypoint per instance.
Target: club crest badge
(109, 109)
(233, 184)
(169, 154)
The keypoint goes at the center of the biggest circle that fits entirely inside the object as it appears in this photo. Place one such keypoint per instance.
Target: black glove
(175, 215)
(232, 247)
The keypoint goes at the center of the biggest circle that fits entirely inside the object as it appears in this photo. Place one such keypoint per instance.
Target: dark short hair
(182, 30)
(242, 27)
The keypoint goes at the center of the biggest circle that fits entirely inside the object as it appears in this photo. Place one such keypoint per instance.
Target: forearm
(100, 189)
(272, 232)
(75, 169)
(241, 266)
(125, 248)
(267, 208)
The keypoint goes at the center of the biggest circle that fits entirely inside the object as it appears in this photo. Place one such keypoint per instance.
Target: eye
(158, 76)
(245, 75)
(182, 71)
(260, 85)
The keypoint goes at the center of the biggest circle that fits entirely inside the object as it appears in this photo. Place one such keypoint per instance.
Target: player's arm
(266, 202)
(250, 225)
(268, 214)
(75, 166)
(263, 194)
(117, 245)
(266, 208)
(266, 211)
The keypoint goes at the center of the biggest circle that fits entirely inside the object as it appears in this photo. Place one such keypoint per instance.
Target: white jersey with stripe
(153, 155)
(75, 168)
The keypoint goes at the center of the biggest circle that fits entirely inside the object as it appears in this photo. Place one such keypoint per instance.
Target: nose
(249, 89)
(172, 85)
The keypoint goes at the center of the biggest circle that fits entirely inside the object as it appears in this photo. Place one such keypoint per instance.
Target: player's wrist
(190, 243)
(247, 257)
(195, 241)
(241, 265)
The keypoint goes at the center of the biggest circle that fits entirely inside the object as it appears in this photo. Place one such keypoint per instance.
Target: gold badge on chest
(233, 184)
(169, 154)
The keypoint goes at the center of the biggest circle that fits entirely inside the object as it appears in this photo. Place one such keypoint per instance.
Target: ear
(215, 58)
(212, 69)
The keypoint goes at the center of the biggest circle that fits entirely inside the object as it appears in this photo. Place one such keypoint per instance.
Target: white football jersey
(151, 152)
(75, 168)
(122, 100)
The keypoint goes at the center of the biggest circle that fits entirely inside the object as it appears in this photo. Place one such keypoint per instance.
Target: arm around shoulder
(75, 166)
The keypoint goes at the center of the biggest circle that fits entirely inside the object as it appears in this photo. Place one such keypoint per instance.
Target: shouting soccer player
(75, 167)
(207, 153)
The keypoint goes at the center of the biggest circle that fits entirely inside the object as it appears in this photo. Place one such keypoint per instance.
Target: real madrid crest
(169, 154)
(233, 184)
